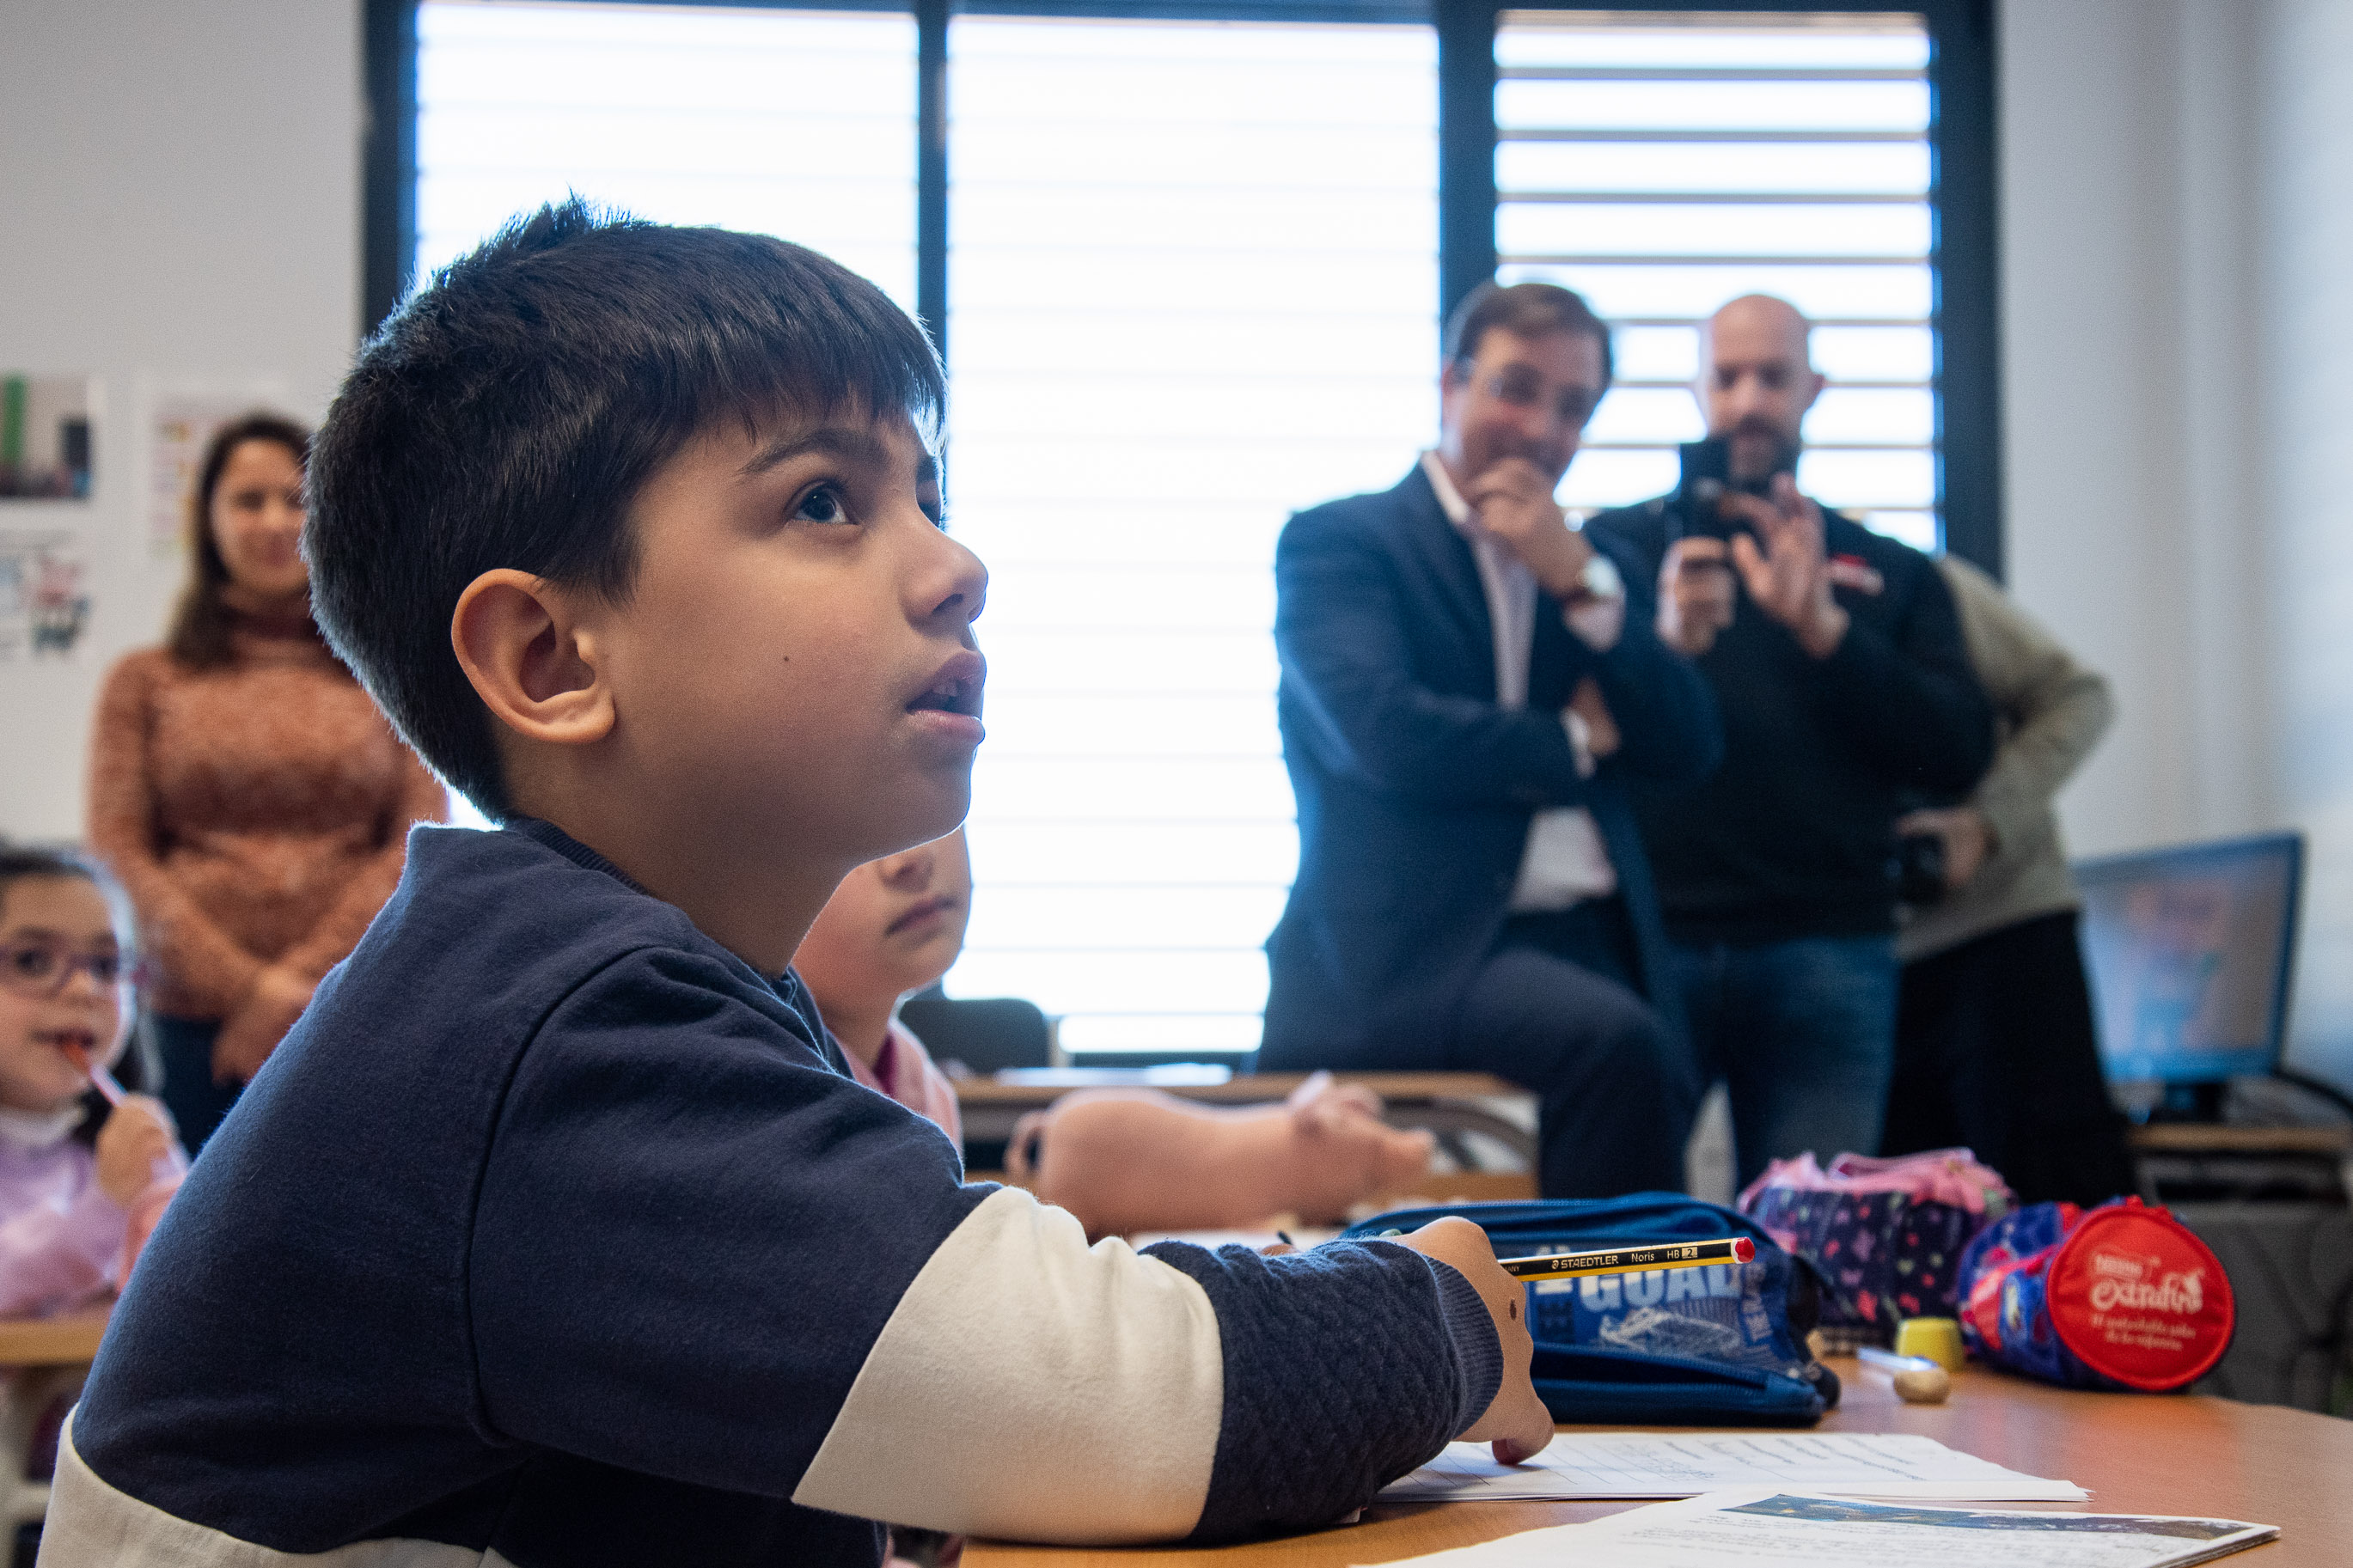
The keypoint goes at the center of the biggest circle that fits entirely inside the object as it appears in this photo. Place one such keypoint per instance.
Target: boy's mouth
(956, 688)
(922, 912)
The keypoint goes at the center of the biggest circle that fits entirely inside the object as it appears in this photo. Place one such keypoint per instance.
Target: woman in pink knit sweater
(244, 787)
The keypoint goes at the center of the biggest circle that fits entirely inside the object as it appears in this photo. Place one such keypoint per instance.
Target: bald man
(1848, 698)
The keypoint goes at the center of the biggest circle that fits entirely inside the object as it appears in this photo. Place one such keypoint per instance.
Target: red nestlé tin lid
(2138, 1298)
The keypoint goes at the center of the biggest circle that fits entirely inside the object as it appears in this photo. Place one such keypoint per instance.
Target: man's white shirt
(1564, 861)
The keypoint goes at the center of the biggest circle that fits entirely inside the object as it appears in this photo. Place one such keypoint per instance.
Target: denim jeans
(195, 1101)
(1803, 1033)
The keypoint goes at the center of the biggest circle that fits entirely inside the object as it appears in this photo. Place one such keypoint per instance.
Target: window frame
(1961, 196)
(1964, 194)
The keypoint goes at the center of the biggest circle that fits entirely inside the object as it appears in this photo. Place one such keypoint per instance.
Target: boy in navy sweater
(558, 1233)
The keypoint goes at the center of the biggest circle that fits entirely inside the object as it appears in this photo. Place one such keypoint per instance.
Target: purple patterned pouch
(1885, 1235)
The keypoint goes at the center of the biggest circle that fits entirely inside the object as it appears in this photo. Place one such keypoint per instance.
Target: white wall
(179, 199)
(2130, 407)
(2305, 303)
(2176, 319)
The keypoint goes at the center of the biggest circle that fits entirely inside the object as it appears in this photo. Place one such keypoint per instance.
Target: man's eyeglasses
(1521, 388)
(42, 969)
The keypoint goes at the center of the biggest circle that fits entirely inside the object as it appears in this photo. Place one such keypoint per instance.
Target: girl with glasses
(82, 1181)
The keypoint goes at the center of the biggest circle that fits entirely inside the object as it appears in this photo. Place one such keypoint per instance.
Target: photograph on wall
(179, 423)
(45, 436)
(44, 593)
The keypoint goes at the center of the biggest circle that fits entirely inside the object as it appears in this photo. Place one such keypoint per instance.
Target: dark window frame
(1964, 194)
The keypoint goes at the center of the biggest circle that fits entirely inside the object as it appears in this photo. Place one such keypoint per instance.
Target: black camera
(1707, 475)
(1917, 868)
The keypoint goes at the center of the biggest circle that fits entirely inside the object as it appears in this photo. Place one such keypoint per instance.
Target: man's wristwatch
(1598, 580)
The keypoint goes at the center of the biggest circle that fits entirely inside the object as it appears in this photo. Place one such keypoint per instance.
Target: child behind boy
(558, 1233)
(82, 1183)
(895, 926)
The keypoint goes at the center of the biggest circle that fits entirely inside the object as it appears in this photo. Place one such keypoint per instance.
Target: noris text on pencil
(1627, 1259)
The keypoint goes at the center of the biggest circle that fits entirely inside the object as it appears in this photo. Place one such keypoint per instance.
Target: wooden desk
(2201, 1137)
(2136, 1453)
(1253, 1089)
(69, 1341)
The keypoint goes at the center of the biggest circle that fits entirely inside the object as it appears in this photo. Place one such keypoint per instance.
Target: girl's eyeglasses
(41, 969)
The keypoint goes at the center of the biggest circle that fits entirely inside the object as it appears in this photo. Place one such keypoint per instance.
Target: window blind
(1662, 162)
(795, 123)
(1193, 278)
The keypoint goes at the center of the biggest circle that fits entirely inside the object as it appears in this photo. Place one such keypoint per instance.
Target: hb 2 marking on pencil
(1626, 1259)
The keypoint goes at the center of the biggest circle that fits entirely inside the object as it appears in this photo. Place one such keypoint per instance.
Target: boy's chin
(914, 816)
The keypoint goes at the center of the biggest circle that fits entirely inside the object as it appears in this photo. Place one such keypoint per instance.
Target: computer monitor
(2190, 951)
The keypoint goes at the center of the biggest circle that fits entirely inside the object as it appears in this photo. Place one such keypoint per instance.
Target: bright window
(1193, 281)
(796, 123)
(1192, 286)
(1662, 166)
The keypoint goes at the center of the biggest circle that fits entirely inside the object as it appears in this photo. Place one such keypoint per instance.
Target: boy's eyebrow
(845, 444)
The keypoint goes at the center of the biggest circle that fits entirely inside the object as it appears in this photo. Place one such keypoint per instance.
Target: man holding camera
(1837, 660)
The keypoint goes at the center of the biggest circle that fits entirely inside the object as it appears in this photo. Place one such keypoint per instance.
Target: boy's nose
(958, 583)
(910, 868)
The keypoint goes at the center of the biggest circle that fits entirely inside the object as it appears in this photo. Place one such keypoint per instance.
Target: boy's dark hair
(29, 862)
(1527, 310)
(507, 416)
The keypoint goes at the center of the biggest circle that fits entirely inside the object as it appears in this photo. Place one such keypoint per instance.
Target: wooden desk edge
(2193, 1138)
(65, 1341)
(1254, 1088)
(2109, 1438)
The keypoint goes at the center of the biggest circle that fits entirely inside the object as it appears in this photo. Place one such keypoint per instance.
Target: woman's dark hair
(507, 416)
(137, 1070)
(200, 626)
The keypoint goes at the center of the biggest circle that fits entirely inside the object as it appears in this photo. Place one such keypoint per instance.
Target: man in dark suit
(1466, 680)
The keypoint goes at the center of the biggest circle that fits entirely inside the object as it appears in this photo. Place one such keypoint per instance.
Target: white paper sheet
(1763, 1528)
(1685, 1464)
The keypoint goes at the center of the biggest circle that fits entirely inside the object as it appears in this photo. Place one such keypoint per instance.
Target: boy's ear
(520, 641)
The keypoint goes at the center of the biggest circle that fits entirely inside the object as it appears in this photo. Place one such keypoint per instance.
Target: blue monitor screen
(2189, 951)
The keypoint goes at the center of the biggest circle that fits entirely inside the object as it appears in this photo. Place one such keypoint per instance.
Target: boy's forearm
(1366, 1356)
(1028, 1387)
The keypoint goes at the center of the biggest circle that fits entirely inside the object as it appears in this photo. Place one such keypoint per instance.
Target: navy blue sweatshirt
(556, 1235)
(1794, 836)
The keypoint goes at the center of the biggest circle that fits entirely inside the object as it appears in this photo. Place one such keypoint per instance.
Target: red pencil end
(1743, 1250)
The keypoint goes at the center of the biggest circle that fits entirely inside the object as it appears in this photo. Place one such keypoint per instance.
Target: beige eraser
(1923, 1385)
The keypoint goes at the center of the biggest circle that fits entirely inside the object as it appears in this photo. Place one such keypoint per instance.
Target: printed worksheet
(1685, 1464)
(1761, 1528)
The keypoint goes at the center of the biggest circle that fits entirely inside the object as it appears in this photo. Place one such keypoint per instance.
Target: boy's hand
(1515, 1421)
(133, 1143)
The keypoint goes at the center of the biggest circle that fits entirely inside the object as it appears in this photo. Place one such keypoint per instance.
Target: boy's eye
(822, 504)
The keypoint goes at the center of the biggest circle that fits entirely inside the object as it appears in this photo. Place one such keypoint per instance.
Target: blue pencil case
(1724, 1344)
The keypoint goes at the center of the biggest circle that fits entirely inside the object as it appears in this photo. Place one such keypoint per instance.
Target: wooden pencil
(1627, 1259)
